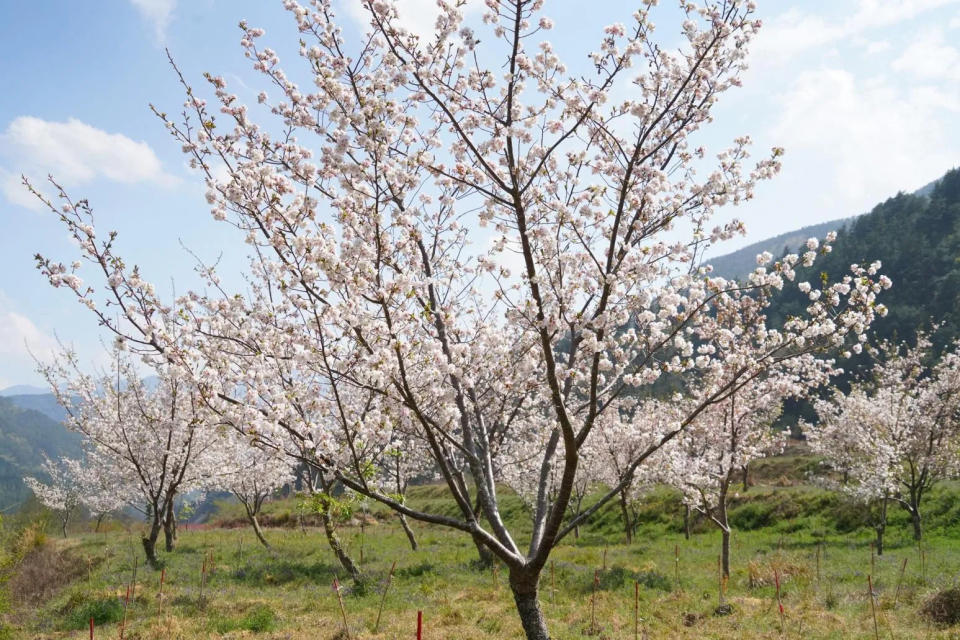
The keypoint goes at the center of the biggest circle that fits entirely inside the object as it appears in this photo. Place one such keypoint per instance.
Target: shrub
(943, 608)
(752, 515)
(617, 577)
(102, 610)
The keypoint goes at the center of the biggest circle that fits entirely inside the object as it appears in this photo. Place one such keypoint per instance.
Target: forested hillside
(25, 435)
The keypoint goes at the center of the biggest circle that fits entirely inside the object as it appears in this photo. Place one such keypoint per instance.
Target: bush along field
(803, 565)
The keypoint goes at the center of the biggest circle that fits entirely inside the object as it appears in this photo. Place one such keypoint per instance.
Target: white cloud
(19, 338)
(75, 153)
(878, 46)
(930, 57)
(418, 16)
(796, 31)
(862, 140)
(158, 12)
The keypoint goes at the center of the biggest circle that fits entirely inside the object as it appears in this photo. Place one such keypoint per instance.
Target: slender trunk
(746, 477)
(725, 552)
(523, 584)
(256, 528)
(63, 524)
(881, 525)
(345, 560)
(625, 511)
(150, 542)
(407, 530)
(170, 527)
(99, 522)
(686, 521)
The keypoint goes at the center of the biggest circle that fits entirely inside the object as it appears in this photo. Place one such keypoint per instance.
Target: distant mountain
(23, 390)
(45, 403)
(25, 436)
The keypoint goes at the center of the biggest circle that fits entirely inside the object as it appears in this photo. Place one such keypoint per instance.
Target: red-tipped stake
(419, 625)
(903, 568)
(343, 612)
(163, 574)
(123, 623)
(873, 608)
(91, 627)
(376, 626)
(776, 579)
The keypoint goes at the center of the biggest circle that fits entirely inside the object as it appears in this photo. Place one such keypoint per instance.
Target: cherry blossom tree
(61, 494)
(897, 433)
(253, 476)
(384, 210)
(157, 439)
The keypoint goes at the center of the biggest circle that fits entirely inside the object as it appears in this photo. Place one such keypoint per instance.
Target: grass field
(287, 593)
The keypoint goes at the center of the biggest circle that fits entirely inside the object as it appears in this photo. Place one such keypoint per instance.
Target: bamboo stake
(903, 568)
(343, 612)
(553, 582)
(376, 626)
(873, 608)
(133, 591)
(163, 574)
(636, 609)
(593, 601)
(776, 579)
(123, 623)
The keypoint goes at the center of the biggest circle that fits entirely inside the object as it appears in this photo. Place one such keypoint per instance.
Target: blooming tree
(897, 433)
(156, 439)
(372, 294)
(252, 477)
(62, 494)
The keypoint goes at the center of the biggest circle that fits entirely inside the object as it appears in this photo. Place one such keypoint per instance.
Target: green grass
(286, 593)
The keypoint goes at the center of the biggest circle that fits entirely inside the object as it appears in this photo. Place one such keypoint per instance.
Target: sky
(862, 94)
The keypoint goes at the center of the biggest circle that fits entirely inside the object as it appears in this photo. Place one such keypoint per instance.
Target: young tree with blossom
(157, 439)
(61, 494)
(896, 433)
(363, 215)
(253, 475)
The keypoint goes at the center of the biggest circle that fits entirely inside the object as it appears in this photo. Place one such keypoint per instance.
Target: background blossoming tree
(896, 433)
(386, 208)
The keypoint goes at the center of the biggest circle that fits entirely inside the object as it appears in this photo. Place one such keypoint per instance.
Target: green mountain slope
(25, 435)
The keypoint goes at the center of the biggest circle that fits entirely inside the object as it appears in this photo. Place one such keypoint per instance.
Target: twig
(376, 626)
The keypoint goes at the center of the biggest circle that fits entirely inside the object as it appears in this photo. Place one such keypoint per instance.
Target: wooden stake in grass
(343, 611)
(553, 583)
(676, 563)
(776, 579)
(376, 625)
(819, 544)
(605, 558)
(593, 602)
(123, 623)
(636, 609)
(720, 579)
(419, 625)
(133, 582)
(163, 575)
(203, 577)
(873, 607)
(495, 576)
(873, 558)
(903, 568)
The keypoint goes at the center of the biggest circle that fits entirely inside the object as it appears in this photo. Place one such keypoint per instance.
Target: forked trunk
(99, 522)
(407, 530)
(149, 542)
(523, 584)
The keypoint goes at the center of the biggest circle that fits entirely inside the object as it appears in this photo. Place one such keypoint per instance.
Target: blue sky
(863, 95)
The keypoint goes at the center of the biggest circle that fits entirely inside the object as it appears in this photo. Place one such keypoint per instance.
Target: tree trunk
(746, 477)
(170, 527)
(686, 522)
(150, 543)
(345, 560)
(63, 524)
(625, 511)
(881, 525)
(917, 525)
(407, 530)
(725, 552)
(523, 584)
(99, 522)
(257, 530)
(484, 556)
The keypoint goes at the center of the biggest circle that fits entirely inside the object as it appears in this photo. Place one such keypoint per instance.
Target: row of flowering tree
(897, 432)
(385, 208)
